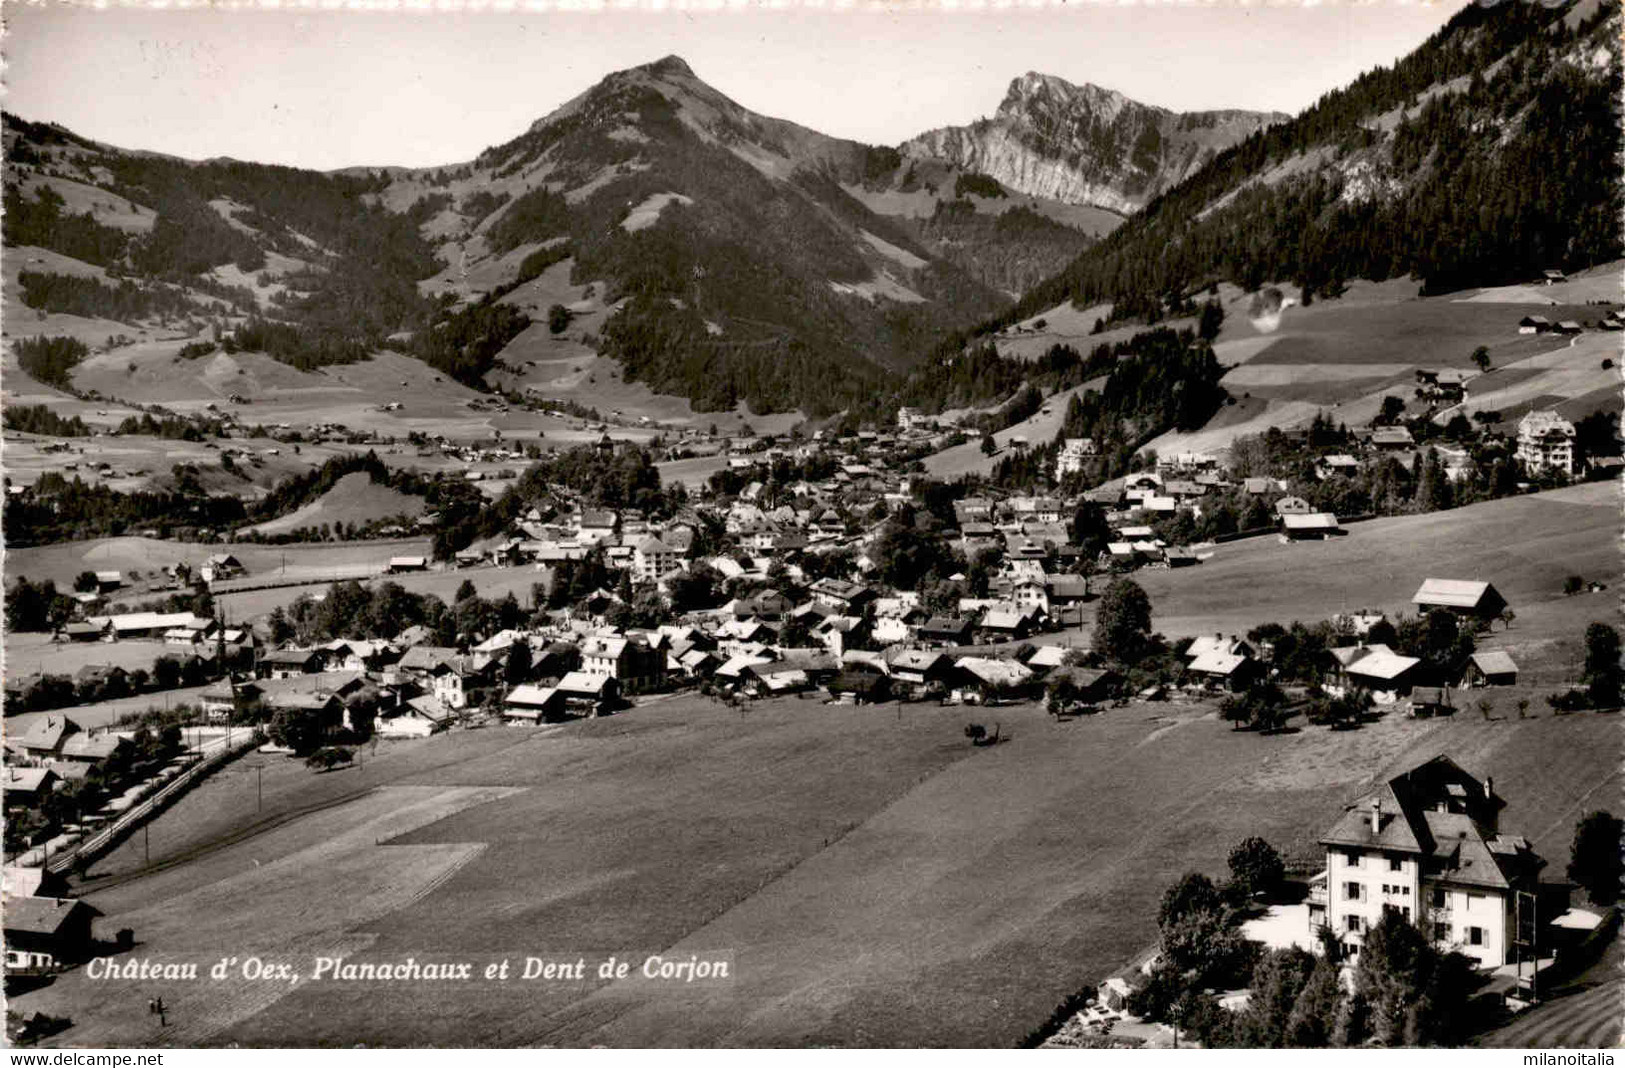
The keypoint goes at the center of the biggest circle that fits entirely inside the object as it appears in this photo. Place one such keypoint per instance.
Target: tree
(1595, 861)
(989, 446)
(1573, 585)
(465, 590)
(1406, 993)
(1393, 408)
(1481, 358)
(1255, 867)
(518, 667)
(558, 318)
(1123, 622)
(282, 629)
(328, 758)
(299, 729)
(1278, 982)
(1603, 672)
(1314, 1015)
(86, 582)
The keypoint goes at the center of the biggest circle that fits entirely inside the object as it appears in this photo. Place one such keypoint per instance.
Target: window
(1405, 910)
(1438, 897)
(1404, 891)
(1395, 864)
(1353, 858)
(1351, 891)
(1441, 931)
(1353, 923)
(1475, 936)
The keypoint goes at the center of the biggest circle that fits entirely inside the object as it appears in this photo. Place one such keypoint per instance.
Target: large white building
(1427, 845)
(1546, 441)
(1073, 452)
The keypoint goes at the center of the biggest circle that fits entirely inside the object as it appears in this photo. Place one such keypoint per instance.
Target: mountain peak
(670, 65)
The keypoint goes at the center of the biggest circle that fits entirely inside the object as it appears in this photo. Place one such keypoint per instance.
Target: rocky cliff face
(1086, 145)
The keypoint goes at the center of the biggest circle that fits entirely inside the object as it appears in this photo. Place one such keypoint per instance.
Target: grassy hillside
(354, 499)
(873, 878)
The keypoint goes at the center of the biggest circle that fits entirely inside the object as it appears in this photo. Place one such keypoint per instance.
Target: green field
(1525, 546)
(873, 878)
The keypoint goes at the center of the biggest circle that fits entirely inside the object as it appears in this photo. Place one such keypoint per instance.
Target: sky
(328, 89)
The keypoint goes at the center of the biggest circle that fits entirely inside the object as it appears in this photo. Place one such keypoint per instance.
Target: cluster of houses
(1390, 678)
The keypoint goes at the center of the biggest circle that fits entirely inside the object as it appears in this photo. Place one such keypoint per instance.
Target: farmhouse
(44, 738)
(1231, 671)
(591, 694)
(25, 787)
(533, 704)
(1427, 844)
(1476, 600)
(291, 663)
(945, 630)
(47, 932)
(1377, 669)
(402, 564)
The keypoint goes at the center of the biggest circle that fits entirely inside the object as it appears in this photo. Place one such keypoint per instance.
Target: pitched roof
(1495, 662)
(1452, 593)
(1374, 661)
(1216, 662)
(43, 915)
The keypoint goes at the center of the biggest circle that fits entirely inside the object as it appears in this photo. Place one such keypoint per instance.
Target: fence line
(109, 836)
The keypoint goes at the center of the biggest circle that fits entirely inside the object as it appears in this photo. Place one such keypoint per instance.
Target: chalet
(841, 633)
(921, 669)
(107, 581)
(1534, 324)
(1376, 669)
(1068, 589)
(1429, 701)
(977, 537)
(1232, 671)
(1310, 526)
(1004, 624)
(226, 698)
(83, 632)
(324, 705)
(1338, 464)
(1392, 438)
(92, 749)
(852, 598)
(1427, 844)
(984, 679)
(1205, 644)
(291, 663)
(1474, 600)
(1568, 326)
(44, 738)
(221, 566)
(45, 933)
(418, 718)
(863, 687)
(1494, 668)
(403, 564)
(533, 704)
(945, 631)
(589, 694)
(24, 788)
(1091, 685)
